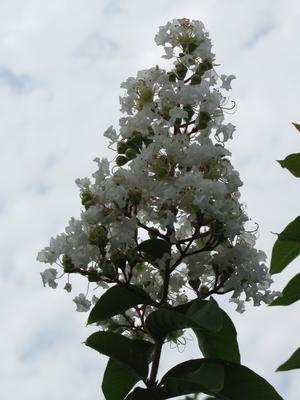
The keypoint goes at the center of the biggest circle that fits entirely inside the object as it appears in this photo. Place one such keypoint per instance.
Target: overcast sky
(61, 65)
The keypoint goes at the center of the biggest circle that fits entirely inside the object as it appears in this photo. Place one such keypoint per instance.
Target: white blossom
(49, 277)
(173, 180)
(82, 303)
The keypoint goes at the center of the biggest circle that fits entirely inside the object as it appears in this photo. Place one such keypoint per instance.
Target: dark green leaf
(206, 313)
(118, 380)
(218, 378)
(292, 363)
(147, 394)
(297, 126)
(195, 376)
(240, 383)
(290, 294)
(135, 354)
(222, 344)
(155, 248)
(162, 322)
(292, 163)
(202, 314)
(116, 300)
(286, 247)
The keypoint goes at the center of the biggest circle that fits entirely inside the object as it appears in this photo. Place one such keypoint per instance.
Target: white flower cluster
(172, 181)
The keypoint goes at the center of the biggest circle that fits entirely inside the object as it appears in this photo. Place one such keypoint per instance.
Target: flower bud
(98, 237)
(204, 118)
(172, 76)
(93, 275)
(161, 167)
(67, 263)
(181, 70)
(194, 284)
(121, 160)
(196, 79)
(132, 257)
(121, 147)
(108, 270)
(87, 199)
(145, 96)
(134, 196)
(118, 258)
(203, 291)
(130, 153)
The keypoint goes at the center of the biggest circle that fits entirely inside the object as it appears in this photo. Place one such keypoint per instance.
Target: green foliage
(116, 300)
(240, 383)
(286, 247)
(118, 380)
(222, 344)
(134, 354)
(202, 314)
(155, 248)
(292, 363)
(285, 250)
(194, 376)
(222, 379)
(290, 294)
(292, 163)
(297, 126)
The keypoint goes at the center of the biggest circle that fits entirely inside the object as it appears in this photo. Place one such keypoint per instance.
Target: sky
(61, 65)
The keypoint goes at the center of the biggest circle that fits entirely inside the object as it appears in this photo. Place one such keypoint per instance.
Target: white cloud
(62, 63)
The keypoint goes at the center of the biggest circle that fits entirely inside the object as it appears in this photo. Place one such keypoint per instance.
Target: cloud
(61, 66)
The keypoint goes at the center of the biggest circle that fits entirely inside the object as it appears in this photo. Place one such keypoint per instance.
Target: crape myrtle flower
(171, 180)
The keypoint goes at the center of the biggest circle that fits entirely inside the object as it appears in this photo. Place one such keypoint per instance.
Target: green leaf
(135, 354)
(222, 344)
(155, 393)
(202, 314)
(290, 294)
(116, 300)
(155, 248)
(286, 247)
(292, 163)
(117, 372)
(240, 383)
(297, 126)
(224, 380)
(292, 363)
(195, 376)
(207, 313)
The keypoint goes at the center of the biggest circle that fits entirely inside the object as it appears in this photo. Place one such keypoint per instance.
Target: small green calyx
(172, 76)
(93, 275)
(121, 147)
(160, 167)
(206, 65)
(188, 43)
(108, 269)
(118, 258)
(204, 118)
(98, 237)
(194, 284)
(145, 96)
(134, 196)
(130, 153)
(121, 160)
(87, 198)
(196, 79)
(181, 70)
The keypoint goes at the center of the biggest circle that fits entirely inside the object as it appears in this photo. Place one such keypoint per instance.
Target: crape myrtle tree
(162, 233)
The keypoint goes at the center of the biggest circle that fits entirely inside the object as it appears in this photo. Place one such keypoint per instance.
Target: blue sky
(61, 65)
